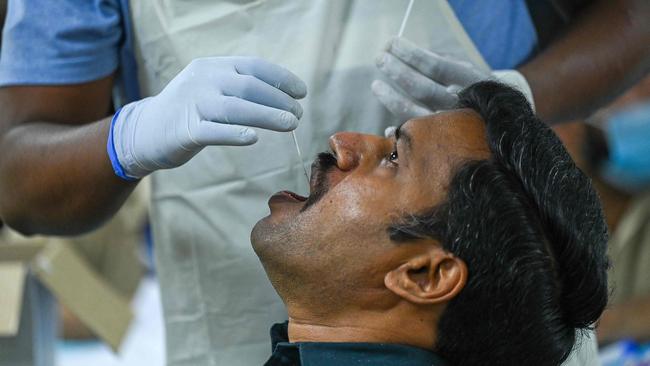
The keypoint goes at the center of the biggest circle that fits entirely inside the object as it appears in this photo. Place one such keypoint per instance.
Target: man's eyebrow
(403, 135)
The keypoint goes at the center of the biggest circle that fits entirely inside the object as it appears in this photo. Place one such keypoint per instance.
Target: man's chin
(257, 234)
(284, 206)
(272, 232)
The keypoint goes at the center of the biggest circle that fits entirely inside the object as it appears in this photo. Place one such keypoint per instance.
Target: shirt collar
(343, 354)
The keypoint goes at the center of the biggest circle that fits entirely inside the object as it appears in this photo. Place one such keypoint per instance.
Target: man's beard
(324, 162)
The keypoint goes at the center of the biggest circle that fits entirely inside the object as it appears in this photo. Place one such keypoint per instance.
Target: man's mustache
(319, 185)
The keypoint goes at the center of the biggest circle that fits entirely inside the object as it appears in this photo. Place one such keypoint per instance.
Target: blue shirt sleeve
(60, 42)
(502, 30)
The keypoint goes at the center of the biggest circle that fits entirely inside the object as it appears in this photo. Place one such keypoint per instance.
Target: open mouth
(295, 196)
(318, 183)
(287, 197)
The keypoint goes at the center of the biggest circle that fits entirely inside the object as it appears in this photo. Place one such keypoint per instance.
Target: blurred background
(624, 329)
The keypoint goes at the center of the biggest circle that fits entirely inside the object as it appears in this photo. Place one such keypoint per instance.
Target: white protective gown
(218, 304)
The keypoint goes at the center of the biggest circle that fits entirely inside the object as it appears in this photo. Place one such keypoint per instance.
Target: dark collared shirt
(344, 354)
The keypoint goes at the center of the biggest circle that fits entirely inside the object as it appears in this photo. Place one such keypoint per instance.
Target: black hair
(530, 228)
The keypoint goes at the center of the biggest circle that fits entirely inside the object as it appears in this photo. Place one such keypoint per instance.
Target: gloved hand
(430, 81)
(208, 103)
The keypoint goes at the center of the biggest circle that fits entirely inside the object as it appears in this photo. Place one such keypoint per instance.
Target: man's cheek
(355, 206)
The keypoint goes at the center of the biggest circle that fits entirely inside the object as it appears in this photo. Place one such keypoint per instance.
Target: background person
(617, 141)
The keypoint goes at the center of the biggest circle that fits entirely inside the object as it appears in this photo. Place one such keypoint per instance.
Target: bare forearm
(603, 54)
(57, 179)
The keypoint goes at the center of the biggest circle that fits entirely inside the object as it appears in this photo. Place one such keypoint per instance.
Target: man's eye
(393, 156)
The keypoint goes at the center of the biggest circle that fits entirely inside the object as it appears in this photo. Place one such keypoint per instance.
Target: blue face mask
(628, 139)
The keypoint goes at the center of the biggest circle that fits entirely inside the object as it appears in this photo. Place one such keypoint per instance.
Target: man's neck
(364, 327)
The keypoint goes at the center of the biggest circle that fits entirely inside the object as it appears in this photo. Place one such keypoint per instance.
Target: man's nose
(347, 147)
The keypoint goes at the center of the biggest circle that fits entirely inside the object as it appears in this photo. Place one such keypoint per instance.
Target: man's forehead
(444, 140)
(457, 130)
(463, 116)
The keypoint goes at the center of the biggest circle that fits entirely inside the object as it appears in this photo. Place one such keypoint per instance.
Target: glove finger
(416, 85)
(400, 106)
(443, 69)
(236, 111)
(250, 88)
(272, 74)
(211, 133)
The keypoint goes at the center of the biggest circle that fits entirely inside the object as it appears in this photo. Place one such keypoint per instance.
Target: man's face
(335, 244)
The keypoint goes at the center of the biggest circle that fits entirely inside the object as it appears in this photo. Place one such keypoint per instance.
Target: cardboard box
(67, 275)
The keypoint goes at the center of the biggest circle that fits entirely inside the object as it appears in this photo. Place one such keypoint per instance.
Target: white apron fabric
(218, 304)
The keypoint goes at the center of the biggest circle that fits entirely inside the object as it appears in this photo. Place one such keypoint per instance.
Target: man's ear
(434, 277)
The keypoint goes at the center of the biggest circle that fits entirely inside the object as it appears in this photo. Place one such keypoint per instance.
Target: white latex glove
(208, 103)
(430, 81)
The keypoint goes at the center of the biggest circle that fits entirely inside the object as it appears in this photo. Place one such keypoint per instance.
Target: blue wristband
(112, 154)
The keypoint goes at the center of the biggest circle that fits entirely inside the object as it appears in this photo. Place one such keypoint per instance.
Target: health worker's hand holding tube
(213, 101)
(430, 81)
